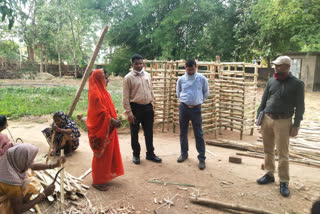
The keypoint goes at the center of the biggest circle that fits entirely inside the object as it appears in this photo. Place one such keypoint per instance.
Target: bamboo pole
(50, 146)
(170, 183)
(62, 186)
(254, 98)
(175, 102)
(243, 107)
(165, 93)
(220, 74)
(88, 71)
(232, 102)
(170, 96)
(222, 205)
(294, 161)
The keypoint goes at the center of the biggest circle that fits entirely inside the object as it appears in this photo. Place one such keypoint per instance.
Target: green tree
(8, 10)
(9, 50)
(287, 25)
(120, 61)
(173, 29)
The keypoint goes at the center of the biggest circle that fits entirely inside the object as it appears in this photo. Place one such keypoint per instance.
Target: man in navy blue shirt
(192, 90)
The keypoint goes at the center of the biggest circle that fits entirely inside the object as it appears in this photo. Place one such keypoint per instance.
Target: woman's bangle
(112, 121)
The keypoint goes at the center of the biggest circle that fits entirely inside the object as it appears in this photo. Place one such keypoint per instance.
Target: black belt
(191, 106)
(137, 104)
(278, 116)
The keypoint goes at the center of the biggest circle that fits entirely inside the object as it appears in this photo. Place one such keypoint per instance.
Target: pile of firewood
(73, 188)
(304, 148)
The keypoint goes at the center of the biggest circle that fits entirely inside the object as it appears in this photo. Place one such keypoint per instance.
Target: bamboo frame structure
(232, 97)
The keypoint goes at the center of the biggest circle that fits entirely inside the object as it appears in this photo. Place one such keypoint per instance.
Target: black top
(284, 97)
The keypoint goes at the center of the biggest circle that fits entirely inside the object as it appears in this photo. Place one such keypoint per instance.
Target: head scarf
(67, 123)
(15, 162)
(100, 112)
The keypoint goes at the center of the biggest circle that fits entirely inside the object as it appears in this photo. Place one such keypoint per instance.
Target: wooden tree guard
(232, 97)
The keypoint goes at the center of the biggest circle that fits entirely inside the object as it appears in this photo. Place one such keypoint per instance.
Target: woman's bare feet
(100, 187)
(68, 154)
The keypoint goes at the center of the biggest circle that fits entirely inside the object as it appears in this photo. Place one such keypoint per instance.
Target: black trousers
(144, 114)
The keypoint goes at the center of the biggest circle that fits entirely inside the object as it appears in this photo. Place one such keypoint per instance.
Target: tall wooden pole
(62, 187)
(51, 145)
(88, 71)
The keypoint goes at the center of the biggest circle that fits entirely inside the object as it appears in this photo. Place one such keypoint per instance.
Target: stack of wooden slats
(304, 149)
(307, 144)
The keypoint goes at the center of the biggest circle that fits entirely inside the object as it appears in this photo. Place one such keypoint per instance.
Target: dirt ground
(221, 180)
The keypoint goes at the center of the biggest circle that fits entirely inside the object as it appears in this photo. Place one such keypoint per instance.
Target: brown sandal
(100, 187)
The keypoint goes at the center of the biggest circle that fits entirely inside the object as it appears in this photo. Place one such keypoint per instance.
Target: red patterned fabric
(107, 162)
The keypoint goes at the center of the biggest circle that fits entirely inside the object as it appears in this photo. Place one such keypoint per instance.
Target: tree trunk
(30, 53)
(41, 59)
(268, 61)
(79, 46)
(58, 51)
(34, 29)
(46, 61)
(269, 66)
(74, 49)
(34, 53)
(59, 62)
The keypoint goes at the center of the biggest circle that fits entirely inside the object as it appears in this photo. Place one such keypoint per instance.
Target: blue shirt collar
(191, 77)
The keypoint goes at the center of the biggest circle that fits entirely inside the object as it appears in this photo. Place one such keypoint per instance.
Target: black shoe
(136, 159)
(202, 165)
(154, 158)
(182, 158)
(266, 179)
(284, 189)
(315, 207)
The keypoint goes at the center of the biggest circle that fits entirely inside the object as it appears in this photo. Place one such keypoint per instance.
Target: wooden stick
(88, 71)
(211, 153)
(221, 205)
(227, 145)
(168, 183)
(51, 144)
(294, 161)
(62, 186)
(85, 173)
(37, 208)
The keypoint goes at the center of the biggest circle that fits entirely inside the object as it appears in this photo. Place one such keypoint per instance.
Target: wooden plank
(234, 159)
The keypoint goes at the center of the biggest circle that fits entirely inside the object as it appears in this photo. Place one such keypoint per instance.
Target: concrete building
(306, 66)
